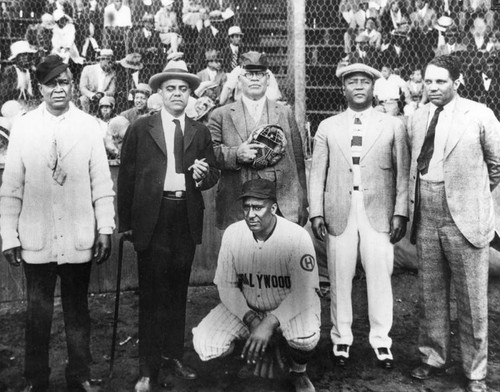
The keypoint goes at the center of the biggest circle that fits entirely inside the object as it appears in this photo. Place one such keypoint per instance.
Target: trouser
(377, 258)
(41, 282)
(445, 255)
(164, 270)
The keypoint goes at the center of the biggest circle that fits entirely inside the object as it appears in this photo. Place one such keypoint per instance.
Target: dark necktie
(178, 147)
(428, 147)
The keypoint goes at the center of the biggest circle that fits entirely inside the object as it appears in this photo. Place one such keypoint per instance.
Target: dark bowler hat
(50, 67)
(259, 188)
(254, 61)
(175, 69)
(343, 72)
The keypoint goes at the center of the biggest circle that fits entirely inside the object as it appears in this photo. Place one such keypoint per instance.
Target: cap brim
(156, 80)
(56, 71)
(130, 66)
(256, 195)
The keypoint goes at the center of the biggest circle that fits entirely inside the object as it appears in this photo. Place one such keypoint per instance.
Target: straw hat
(175, 69)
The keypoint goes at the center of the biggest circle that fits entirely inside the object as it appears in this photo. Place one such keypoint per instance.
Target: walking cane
(117, 305)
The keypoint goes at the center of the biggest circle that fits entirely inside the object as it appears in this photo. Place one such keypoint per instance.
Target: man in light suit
(167, 159)
(231, 127)
(455, 164)
(359, 200)
(96, 81)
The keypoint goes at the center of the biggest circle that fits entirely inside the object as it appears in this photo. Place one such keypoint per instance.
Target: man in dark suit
(167, 159)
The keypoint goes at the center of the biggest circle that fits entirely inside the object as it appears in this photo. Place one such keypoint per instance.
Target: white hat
(58, 14)
(175, 69)
(105, 53)
(233, 30)
(20, 47)
(107, 101)
(175, 56)
(443, 23)
(342, 72)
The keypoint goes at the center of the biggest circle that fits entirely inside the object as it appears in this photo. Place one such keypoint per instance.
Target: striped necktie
(356, 141)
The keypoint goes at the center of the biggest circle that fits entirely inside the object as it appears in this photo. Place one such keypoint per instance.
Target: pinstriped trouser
(445, 255)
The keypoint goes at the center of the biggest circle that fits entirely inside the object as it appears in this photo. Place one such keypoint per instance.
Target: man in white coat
(359, 201)
(56, 195)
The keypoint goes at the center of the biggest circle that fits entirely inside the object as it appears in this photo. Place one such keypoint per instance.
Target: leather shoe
(180, 370)
(143, 385)
(425, 371)
(341, 354)
(384, 358)
(84, 386)
(301, 382)
(476, 386)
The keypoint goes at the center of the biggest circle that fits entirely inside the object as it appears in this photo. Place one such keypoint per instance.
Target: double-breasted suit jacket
(471, 167)
(384, 166)
(228, 127)
(142, 176)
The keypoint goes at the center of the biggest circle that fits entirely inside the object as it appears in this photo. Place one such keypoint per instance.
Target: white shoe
(143, 385)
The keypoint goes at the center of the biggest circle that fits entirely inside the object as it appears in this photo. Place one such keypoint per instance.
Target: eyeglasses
(254, 75)
(55, 82)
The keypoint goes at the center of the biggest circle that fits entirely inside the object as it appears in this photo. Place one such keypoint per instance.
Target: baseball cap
(259, 188)
(50, 67)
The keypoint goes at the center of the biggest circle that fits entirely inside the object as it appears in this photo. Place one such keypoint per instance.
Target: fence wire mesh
(396, 36)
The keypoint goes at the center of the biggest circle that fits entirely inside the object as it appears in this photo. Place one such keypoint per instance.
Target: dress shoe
(341, 354)
(143, 385)
(476, 386)
(301, 382)
(425, 371)
(180, 370)
(84, 386)
(384, 358)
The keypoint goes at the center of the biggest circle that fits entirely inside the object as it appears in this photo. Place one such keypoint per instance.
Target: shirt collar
(50, 117)
(361, 115)
(250, 102)
(446, 108)
(167, 118)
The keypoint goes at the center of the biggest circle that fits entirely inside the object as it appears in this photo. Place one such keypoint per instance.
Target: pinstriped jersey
(278, 275)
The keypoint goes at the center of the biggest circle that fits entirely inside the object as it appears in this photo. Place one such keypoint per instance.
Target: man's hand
(247, 152)
(97, 96)
(102, 248)
(398, 228)
(13, 256)
(319, 227)
(259, 339)
(200, 169)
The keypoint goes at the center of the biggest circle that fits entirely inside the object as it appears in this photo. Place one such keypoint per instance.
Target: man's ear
(274, 208)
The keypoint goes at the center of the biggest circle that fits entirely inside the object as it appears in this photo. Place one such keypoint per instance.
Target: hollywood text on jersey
(264, 281)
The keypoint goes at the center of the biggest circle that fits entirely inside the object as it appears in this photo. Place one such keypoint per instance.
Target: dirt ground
(360, 375)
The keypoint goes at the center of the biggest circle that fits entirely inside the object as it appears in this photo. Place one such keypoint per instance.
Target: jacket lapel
(343, 138)
(272, 112)
(238, 117)
(456, 132)
(372, 133)
(189, 132)
(156, 132)
(421, 123)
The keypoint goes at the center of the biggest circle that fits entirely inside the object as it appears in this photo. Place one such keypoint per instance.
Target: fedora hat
(142, 88)
(108, 53)
(175, 69)
(20, 47)
(132, 61)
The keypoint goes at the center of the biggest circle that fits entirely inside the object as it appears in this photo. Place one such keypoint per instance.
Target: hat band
(179, 70)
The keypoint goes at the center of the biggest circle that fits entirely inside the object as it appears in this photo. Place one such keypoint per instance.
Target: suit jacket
(89, 81)
(384, 165)
(142, 175)
(471, 167)
(228, 128)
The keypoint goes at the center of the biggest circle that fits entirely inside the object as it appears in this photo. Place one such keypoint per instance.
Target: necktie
(234, 59)
(58, 173)
(356, 141)
(428, 147)
(178, 147)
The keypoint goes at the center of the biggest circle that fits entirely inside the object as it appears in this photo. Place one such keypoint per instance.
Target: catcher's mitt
(273, 145)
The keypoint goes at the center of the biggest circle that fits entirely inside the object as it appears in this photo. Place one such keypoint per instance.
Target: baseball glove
(273, 145)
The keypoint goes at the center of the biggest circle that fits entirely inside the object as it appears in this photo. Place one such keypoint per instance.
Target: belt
(355, 187)
(181, 195)
(388, 100)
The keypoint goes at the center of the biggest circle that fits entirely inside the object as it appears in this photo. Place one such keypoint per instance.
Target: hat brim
(124, 64)
(56, 71)
(156, 80)
(256, 195)
(24, 51)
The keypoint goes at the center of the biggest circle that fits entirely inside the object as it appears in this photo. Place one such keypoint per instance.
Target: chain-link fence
(400, 36)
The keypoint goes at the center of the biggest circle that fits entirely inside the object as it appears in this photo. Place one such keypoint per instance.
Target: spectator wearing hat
(106, 113)
(146, 41)
(211, 36)
(63, 38)
(117, 23)
(40, 35)
(358, 196)
(141, 94)
(17, 81)
(97, 80)
(364, 52)
(56, 218)
(232, 126)
(167, 159)
(213, 72)
(128, 74)
(355, 16)
(231, 52)
(451, 42)
(166, 24)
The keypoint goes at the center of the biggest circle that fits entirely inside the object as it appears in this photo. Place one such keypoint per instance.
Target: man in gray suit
(231, 127)
(455, 164)
(359, 200)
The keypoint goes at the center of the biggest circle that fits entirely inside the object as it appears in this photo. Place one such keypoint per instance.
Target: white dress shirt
(173, 181)
(255, 108)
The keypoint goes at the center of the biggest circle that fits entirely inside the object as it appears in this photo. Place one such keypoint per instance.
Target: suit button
(350, 192)
(350, 170)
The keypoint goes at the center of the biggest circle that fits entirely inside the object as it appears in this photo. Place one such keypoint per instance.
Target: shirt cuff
(106, 230)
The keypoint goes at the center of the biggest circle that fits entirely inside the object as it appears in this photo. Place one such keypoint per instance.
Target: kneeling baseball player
(267, 281)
